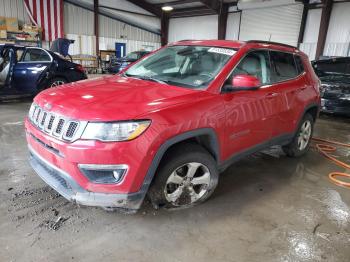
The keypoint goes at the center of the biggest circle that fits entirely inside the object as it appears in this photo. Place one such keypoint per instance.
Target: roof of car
(237, 44)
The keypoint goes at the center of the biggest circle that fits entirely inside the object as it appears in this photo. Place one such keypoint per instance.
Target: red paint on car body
(240, 120)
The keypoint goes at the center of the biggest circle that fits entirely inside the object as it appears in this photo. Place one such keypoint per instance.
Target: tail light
(80, 68)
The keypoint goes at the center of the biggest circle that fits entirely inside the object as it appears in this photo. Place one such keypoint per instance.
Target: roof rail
(269, 42)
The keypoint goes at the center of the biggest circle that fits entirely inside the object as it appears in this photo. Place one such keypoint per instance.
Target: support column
(322, 35)
(164, 28)
(96, 31)
(222, 22)
(303, 22)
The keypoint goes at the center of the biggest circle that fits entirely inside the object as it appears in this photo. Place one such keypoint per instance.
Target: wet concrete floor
(267, 207)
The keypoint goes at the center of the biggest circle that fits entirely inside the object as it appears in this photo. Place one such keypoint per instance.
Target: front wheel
(187, 176)
(301, 142)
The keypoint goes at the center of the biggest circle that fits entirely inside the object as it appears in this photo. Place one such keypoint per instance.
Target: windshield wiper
(147, 78)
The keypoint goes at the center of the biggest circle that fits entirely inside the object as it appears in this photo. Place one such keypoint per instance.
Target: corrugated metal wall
(77, 20)
(85, 44)
(14, 8)
(312, 28)
(338, 36)
(199, 27)
(279, 24)
(115, 29)
(81, 21)
(232, 30)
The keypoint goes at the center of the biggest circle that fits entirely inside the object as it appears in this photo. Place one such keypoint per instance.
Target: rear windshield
(185, 66)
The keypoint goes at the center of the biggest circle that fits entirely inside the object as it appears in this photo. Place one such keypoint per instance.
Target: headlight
(115, 131)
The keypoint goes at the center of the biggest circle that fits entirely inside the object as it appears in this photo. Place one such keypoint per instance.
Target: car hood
(113, 98)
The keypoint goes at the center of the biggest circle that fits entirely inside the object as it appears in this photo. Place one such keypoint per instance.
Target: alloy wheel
(304, 135)
(57, 83)
(187, 184)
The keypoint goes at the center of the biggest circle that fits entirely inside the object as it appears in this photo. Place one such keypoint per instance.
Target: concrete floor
(266, 208)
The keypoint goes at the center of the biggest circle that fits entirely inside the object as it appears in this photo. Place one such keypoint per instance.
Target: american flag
(47, 14)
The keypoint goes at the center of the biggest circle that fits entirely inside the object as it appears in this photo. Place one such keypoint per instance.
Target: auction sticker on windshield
(224, 51)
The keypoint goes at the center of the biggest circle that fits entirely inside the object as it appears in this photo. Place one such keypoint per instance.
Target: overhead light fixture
(167, 8)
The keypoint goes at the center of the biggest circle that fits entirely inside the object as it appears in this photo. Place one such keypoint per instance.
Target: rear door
(28, 71)
(290, 83)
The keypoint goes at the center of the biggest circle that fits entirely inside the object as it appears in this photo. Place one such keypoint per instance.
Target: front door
(32, 66)
(249, 114)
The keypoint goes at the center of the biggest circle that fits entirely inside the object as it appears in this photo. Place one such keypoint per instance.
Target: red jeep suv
(170, 123)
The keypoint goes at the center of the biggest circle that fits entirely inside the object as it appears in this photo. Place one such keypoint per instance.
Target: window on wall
(284, 66)
(256, 64)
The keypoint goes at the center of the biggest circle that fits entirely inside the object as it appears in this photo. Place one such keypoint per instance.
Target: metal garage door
(279, 24)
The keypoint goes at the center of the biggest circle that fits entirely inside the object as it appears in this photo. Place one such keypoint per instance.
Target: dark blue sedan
(25, 71)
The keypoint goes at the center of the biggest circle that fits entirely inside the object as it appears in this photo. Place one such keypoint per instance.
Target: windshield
(185, 66)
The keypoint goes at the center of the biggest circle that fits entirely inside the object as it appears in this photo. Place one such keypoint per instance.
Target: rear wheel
(301, 142)
(57, 81)
(187, 176)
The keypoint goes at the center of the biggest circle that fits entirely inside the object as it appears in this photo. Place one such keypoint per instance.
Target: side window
(36, 55)
(283, 65)
(255, 63)
(299, 64)
(19, 54)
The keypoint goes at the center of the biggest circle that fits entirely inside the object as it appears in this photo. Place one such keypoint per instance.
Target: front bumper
(69, 189)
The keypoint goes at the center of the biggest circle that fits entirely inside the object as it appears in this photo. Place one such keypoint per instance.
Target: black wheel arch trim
(307, 108)
(213, 143)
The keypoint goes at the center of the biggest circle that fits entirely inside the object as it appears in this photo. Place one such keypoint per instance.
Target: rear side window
(299, 64)
(36, 55)
(284, 66)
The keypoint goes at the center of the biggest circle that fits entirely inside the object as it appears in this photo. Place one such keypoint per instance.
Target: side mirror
(244, 83)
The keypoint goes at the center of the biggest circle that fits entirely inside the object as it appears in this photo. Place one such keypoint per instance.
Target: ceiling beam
(114, 16)
(148, 7)
(125, 11)
(195, 11)
(177, 2)
(212, 4)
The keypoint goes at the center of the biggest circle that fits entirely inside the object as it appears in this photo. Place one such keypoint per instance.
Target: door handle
(271, 95)
(303, 87)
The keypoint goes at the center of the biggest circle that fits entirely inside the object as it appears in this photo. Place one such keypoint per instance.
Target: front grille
(53, 124)
(59, 127)
(49, 126)
(71, 129)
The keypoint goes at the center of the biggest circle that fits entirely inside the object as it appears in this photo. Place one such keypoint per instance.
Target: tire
(56, 81)
(301, 141)
(176, 186)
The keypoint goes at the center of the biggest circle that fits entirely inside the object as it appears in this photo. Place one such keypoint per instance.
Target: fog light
(118, 174)
(104, 174)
